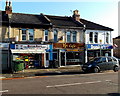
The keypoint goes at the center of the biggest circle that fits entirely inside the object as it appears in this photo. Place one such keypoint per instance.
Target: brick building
(116, 50)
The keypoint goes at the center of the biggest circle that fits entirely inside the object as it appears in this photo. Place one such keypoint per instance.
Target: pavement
(42, 72)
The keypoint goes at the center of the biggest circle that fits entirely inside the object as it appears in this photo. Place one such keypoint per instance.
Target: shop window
(91, 37)
(55, 56)
(68, 34)
(55, 35)
(96, 37)
(107, 38)
(74, 36)
(46, 35)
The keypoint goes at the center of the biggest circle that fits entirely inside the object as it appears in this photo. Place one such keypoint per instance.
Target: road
(94, 83)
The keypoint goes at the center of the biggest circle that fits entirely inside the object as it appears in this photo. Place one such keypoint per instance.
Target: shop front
(4, 50)
(33, 55)
(95, 50)
(69, 53)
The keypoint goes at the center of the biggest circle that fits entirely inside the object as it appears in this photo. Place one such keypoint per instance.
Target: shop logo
(69, 45)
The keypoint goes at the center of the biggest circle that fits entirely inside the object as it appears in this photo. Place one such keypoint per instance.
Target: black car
(100, 64)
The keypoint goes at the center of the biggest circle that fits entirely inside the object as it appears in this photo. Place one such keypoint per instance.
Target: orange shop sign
(68, 45)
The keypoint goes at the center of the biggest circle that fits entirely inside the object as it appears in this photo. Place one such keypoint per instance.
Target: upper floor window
(96, 37)
(24, 34)
(27, 34)
(91, 37)
(74, 36)
(68, 34)
(46, 35)
(107, 38)
(31, 34)
(55, 35)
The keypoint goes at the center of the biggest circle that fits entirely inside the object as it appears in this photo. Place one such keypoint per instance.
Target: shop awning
(27, 51)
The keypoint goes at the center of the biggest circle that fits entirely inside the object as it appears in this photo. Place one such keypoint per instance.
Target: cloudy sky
(104, 12)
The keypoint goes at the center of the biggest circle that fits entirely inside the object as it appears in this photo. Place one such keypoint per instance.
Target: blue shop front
(95, 50)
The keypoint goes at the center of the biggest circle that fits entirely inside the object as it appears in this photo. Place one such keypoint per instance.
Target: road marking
(3, 91)
(74, 84)
(83, 74)
(108, 80)
(111, 83)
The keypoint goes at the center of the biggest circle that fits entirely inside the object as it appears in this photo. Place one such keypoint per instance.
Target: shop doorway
(62, 58)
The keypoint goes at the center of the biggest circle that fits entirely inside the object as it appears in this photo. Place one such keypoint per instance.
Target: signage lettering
(30, 46)
(68, 45)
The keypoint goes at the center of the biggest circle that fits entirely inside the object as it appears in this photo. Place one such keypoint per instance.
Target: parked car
(118, 60)
(100, 64)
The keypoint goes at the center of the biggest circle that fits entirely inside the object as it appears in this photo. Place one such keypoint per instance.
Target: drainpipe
(9, 28)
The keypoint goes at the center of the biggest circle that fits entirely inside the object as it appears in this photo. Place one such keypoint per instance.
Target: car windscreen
(95, 60)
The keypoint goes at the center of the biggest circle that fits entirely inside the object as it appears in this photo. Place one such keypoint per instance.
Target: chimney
(76, 15)
(8, 7)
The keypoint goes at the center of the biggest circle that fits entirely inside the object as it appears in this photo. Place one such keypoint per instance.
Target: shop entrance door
(62, 58)
(38, 60)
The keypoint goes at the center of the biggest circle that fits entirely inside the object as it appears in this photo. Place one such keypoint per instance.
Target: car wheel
(95, 70)
(116, 68)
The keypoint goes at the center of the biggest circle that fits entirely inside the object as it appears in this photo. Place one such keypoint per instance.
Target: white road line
(107, 80)
(74, 84)
(3, 91)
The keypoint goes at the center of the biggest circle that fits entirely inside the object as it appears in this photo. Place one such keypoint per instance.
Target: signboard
(68, 45)
(28, 46)
(98, 46)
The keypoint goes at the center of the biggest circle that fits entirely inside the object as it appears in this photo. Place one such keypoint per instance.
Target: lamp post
(9, 28)
(100, 48)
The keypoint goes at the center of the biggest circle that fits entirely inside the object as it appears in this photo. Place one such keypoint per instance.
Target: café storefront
(69, 53)
(33, 55)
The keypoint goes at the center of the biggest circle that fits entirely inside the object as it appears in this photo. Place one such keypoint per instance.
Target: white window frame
(107, 37)
(92, 37)
(24, 35)
(70, 37)
(46, 35)
(27, 35)
(75, 36)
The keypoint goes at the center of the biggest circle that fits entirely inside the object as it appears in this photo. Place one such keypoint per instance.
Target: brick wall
(116, 51)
